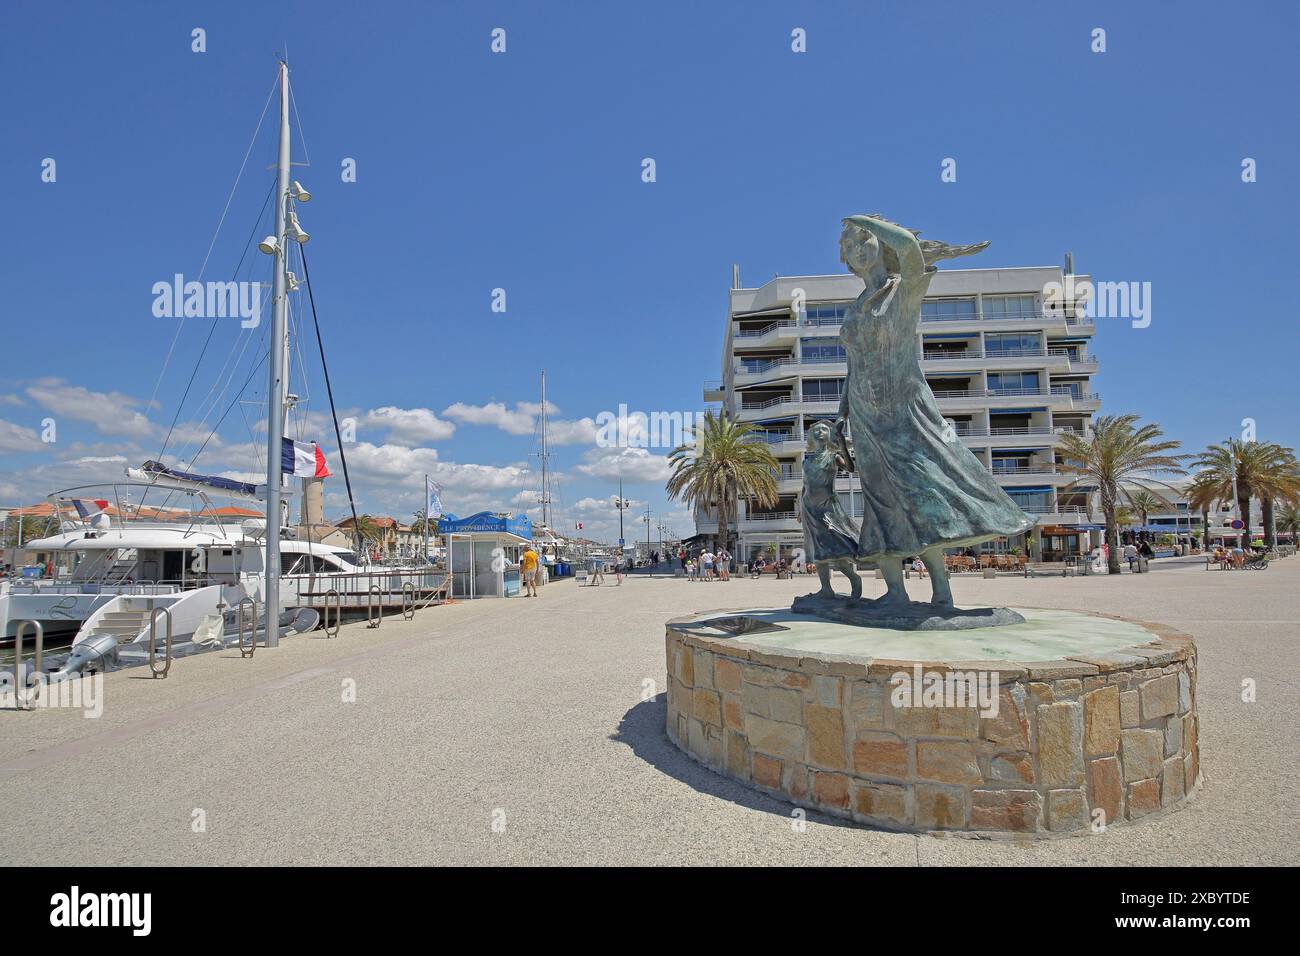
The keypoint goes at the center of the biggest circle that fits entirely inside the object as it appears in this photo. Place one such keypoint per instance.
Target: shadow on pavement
(642, 729)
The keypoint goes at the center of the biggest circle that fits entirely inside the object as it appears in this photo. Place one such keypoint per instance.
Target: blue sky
(522, 171)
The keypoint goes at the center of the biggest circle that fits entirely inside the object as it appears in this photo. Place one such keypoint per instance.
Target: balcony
(772, 437)
(770, 521)
(769, 332)
(715, 391)
(1055, 391)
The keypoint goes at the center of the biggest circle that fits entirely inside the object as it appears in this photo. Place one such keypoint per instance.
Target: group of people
(1132, 552)
(709, 566)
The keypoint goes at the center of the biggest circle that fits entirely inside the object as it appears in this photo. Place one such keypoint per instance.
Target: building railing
(757, 333)
(943, 356)
(770, 403)
(770, 516)
(1023, 469)
(771, 437)
(1014, 392)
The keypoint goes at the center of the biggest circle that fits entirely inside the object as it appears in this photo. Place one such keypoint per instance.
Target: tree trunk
(1112, 539)
(1243, 506)
(1205, 528)
(1270, 532)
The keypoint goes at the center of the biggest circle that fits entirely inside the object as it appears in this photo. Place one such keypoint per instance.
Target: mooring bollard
(338, 613)
(21, 701)
(408, 601)
(153, 649)
(246, 650)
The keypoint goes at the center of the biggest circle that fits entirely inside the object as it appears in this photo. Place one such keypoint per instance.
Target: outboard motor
(96, 654)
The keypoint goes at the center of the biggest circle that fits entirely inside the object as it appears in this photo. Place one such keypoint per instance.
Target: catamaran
(200, 563)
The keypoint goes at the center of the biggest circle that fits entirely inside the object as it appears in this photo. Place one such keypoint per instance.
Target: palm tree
(1263, 470)
(368, 531)
(1288, 520)
(1115, 453)
(1143, 501)
(1203, 494)
(723, 463)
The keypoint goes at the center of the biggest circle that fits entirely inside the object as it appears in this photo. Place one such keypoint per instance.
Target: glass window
(822, 350)
(1010, 307)
(1015, 343)
(823, 389)
(1013, 383)
(826, 313)
(947, 310)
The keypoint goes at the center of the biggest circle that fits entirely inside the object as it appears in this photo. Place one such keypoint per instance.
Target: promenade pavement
(530, 731)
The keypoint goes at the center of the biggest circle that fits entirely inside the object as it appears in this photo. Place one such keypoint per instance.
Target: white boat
(188, 561)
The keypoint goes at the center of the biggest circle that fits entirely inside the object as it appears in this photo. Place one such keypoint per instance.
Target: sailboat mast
(278, 387)
(546, 454)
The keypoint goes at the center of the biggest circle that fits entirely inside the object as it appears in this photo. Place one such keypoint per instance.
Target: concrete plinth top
(1046, 634)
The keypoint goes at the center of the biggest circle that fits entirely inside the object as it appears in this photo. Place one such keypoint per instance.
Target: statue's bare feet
(891, 599)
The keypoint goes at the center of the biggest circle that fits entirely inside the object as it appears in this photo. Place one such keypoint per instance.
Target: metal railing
(1023, 469)
(756, 333)
(374, 608)
(770, 516)
(153, 645)
(771, 438)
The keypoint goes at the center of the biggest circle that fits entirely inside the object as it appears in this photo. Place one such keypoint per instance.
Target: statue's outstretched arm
(900, 240)
(933, 250)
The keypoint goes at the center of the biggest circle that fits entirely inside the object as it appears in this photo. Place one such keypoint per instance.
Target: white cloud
(521, 421)
(581, 431)
(112, 413)
(630, 464)
(410, 425)
(16, 438)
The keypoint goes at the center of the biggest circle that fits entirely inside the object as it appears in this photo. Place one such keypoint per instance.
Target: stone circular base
(1067, 723)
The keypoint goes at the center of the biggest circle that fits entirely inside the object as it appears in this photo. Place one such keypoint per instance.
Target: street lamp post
(622, 504)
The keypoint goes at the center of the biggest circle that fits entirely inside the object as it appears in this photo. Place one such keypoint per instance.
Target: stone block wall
(1115, 733)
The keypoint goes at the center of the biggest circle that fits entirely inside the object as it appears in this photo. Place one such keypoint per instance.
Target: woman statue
(923, 490)
(830, 535)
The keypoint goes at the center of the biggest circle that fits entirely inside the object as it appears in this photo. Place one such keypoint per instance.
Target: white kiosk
(483, 552)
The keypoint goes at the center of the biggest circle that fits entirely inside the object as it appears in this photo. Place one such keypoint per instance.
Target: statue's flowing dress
(921, 486)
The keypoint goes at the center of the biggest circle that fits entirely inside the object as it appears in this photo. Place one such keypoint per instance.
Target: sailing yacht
(201, 562)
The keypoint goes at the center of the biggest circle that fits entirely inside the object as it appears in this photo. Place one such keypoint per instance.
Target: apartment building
(1010, 369)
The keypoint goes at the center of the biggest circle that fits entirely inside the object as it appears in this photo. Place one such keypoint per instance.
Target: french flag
(85, 512)
(303, 459)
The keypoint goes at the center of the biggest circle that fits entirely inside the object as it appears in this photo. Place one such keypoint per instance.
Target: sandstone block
(1101, 722)
(1060, 744)
(880, 755)
(1143, 753)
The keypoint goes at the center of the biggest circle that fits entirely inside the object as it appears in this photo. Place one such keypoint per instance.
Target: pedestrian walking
(528, 565)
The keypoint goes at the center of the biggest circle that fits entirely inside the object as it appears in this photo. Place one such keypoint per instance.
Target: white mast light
(268, 245)
(294, 231)
(298, 193)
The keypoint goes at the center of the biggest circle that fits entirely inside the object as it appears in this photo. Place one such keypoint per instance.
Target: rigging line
(253, 371)
(211, 329)
(214, 397)
(329, 390)
(194, 460)
(247, 152)
(302, 133)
